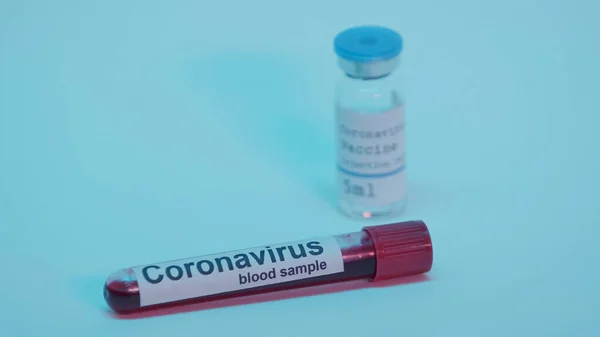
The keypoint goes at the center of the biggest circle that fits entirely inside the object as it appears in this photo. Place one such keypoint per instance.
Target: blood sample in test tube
(374, 253)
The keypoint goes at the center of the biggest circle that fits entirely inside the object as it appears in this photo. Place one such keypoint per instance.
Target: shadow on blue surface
(268, 103)
(274, 296)
(90, 290)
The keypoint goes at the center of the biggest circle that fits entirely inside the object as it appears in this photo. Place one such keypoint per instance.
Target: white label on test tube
(237, 270)
(370, 157)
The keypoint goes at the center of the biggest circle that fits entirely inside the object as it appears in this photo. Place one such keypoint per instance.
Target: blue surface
(368, 43)
(142, 131)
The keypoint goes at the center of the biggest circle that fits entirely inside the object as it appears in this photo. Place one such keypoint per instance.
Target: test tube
(374, 253)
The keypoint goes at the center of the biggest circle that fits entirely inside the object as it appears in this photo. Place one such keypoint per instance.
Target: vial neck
(368, 78)
(367, 70)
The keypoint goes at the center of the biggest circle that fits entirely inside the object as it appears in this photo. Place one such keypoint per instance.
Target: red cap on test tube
(401, 249)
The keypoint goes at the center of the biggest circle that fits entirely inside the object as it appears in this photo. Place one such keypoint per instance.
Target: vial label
(237, 270)
(370, 157)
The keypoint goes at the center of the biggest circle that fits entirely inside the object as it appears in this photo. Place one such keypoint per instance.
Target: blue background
(141, 131)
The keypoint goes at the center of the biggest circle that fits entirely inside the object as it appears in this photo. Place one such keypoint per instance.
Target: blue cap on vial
(365, 44)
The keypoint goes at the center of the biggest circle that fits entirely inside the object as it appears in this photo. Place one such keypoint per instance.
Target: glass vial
(369, 123)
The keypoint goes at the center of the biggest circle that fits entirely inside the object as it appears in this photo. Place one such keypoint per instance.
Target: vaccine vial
(369, 122)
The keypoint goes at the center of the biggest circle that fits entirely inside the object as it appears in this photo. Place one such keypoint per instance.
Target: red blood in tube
(375, 253)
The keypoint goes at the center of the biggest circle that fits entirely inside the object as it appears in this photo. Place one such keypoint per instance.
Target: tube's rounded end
(401, 249)
(121, 291)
